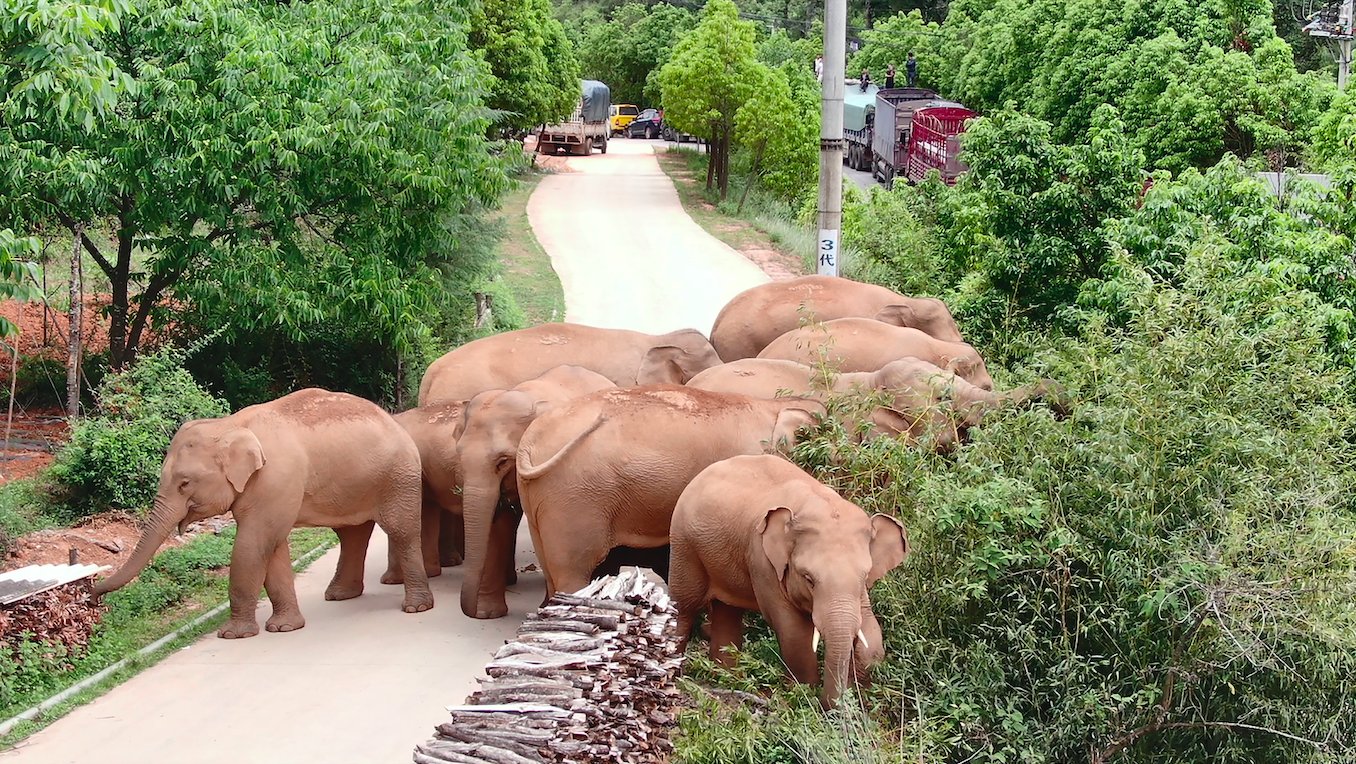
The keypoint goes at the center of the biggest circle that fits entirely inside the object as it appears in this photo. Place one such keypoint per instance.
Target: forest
(277, 196)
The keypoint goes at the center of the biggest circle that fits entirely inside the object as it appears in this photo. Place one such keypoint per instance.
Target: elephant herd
(603, 439)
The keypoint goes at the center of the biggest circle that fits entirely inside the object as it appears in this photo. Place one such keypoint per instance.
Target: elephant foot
(338, 591)
(418, 602)
(234, 629)
(433, 572)
(450, 559)
(285, 622)
(393, 576)
(491, 611)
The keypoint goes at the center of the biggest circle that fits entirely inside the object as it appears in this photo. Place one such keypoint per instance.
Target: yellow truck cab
(621, 115)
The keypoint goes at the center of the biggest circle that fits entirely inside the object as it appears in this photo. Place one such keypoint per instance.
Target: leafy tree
(628, 51)
(709, 77)
(891, 42)
(779, 125)
(536, 72)
(295, 163)
(1334, 138)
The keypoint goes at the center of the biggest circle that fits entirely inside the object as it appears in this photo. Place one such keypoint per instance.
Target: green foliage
(628, 50)
(21, 511)
(1335, 134)
(536, 72)
(18, 273)
(891, 42)
(290, 163)
(114, 457)
(781, 130)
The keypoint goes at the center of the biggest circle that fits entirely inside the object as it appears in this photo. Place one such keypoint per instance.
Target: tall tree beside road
(536, 71)
(711, 74)
(628, 50)
(297, 163)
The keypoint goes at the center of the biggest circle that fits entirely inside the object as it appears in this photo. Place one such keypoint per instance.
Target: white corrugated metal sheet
(25, 582)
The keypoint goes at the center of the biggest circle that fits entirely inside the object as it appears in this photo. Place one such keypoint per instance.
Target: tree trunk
(710, 165)
(76, 318)
(753, 177)
(724, 164)
(119, 283)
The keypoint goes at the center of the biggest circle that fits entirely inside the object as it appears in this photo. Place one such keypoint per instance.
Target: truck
(586, 129)
(859, 110)
(916, 131)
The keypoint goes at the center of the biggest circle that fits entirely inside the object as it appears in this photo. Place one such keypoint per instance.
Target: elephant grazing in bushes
(758, 533)
(921, 397)
(861, 344)
(757, 316)
(604, 470)
(312, 458)
(494, 422)
(628, 358)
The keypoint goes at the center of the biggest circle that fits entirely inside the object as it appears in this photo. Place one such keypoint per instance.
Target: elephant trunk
(840, 621)
(480, 500)
(162, 520)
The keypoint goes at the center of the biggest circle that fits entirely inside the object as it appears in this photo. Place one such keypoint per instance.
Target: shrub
(114, 456)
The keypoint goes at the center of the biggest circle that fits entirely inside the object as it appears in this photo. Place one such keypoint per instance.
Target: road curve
(363, 682)
(628, 256)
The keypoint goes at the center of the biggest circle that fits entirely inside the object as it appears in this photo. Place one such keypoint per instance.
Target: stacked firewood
(66, 614)
(591, 677)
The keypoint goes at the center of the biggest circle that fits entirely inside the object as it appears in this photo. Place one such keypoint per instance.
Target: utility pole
(831, 137)
(1335, 23)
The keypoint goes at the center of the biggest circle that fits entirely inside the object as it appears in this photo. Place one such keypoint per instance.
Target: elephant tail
(528, 472)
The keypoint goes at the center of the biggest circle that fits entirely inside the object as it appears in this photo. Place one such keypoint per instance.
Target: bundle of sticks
(590, 677)
(66, 614)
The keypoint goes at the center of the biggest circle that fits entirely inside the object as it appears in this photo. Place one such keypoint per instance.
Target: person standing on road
(890, 76)
(819, 68)
(911, 70)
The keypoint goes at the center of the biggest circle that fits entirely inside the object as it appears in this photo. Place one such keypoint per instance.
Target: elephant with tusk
(311, 458)
(758, 533)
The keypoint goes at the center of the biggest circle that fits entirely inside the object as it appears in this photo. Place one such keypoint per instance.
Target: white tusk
(814, 642)
(862, 637)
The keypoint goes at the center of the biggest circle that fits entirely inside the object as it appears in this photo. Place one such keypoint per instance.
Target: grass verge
(773, 242)
(527, 270)
(178, 585)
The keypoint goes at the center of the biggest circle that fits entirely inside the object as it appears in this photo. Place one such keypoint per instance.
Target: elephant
(861, 344)
(628, 358)
(757, 316)
(435, 430)
(311, 458)
(605, 469)
(916, 391)
(494, 422)
(758, 533)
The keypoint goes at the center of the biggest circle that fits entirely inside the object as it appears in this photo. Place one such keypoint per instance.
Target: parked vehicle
(649, 124)
(916, 131)
(586, 129)
(670, 134)
(621, 115)
(859, 111)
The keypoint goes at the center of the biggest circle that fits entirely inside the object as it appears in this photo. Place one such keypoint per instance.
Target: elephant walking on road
(606, 469)
(487, 450)
(758, 533)
(311, 458)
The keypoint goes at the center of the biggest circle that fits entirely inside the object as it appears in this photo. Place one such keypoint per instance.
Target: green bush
(114, 456)
(22, 506)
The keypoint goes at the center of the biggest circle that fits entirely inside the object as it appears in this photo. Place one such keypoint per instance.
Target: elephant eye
(503, 462)
(183, 484)
(809, 579)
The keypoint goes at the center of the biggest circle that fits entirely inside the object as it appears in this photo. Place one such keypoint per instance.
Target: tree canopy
(534, 66)
(628, 50)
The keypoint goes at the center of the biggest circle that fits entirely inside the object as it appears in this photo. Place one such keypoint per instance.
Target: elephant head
(827, 555)
(924, 313)
(207, 467)
(493, 424)
(676, 357)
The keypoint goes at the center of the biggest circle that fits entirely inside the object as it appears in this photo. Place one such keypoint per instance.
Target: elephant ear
(789, 421)
(889, 545)
(241, 457)
(660, 366)
(897, 315)
(775, 531)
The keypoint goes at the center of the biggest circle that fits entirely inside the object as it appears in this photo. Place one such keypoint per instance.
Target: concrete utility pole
(1335, 23)
(831, 137)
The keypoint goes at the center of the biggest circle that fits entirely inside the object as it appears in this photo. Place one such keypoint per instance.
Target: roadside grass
(757, 227)
(179, 585)
(20, 512)
(527, 270)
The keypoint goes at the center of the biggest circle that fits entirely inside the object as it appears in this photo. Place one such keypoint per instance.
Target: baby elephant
(758, 533)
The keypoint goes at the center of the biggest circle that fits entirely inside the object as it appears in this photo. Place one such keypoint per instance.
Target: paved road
(863, 179)
(628, 256)
(363, 682)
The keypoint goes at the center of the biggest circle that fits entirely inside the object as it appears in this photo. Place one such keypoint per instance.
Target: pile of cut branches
(64, 615)
(591, 677)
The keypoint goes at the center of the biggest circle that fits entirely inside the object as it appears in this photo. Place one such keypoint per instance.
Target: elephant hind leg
(399, 515)
(448, 541)
(348, 575)
(282, 591)
(569, 552)
(433, 522)
(688, 584)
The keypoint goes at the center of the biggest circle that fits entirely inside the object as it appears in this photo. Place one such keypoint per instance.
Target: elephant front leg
(282, 591)
(795, 637)
(348, 575)
(248, 560)
(449, 540)
(727, 630)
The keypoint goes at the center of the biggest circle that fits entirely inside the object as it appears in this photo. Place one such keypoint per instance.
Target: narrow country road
(364, 682)
(628, 256)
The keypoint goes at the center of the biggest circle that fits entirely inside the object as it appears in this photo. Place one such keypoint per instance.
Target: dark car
(648, 124)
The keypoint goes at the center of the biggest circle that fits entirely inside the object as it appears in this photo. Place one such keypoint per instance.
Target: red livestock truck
(916, 131)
